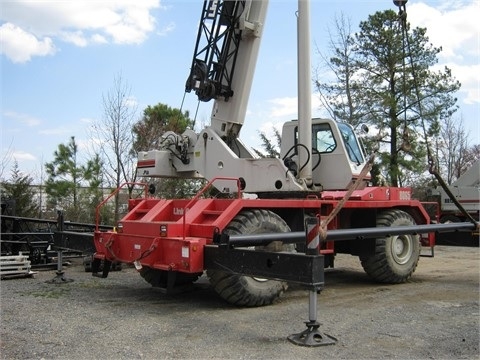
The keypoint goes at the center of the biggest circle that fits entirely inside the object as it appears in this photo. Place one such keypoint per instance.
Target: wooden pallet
(15, 266)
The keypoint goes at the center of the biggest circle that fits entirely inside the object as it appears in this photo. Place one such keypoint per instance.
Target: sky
(59, 57)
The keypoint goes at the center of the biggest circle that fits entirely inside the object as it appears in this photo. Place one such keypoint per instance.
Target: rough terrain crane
(255, 241)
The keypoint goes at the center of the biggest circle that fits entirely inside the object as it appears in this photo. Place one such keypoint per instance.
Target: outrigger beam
(339, 234)
(307, 270)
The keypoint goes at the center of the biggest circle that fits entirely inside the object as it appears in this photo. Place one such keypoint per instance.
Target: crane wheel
(396, 257)
(159, 278)
(241, 290)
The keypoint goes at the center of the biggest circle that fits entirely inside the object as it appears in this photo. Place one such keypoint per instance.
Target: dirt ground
(433, 316)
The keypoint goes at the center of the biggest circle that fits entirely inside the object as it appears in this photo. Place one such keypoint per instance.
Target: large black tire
(396, 257)
(155, 277)
(241, 290)
(159, 278)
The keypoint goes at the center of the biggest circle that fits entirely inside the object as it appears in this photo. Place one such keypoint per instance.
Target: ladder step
(142, 211)
(212, 212)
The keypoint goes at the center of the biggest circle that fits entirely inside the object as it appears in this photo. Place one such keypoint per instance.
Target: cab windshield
(351, 144)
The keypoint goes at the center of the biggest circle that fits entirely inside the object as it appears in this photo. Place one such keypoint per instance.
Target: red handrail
(99, 206)
(203, 190)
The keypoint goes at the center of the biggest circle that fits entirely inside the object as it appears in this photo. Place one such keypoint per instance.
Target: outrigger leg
(59, 240)
(312, 336)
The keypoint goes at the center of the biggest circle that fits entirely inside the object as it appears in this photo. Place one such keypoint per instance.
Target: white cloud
(98, 39)
(166, 29)
(282, 107)
(87, 121)
(31, 26)
(22, 118)
(84, 145)
(61, 130)
(267, 129)
(22, 155)
(469, 77)
(454, 26)
(19, 46)
(75, 37)
(287, 107)
(131, 102)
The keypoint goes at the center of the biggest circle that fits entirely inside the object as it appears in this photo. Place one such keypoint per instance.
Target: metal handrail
(202, 191)
(99, 206)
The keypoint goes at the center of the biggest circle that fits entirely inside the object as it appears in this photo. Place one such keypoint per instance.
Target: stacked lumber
(15, 266)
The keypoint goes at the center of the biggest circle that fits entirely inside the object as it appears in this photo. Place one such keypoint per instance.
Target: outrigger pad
(59, 279)
(312, 336)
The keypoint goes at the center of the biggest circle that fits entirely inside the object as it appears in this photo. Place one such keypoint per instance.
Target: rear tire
(244, 290)
(159, 278)
(396, 257)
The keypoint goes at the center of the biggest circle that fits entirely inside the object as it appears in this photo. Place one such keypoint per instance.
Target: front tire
(159, 278)
(242, 290)
(396, 257)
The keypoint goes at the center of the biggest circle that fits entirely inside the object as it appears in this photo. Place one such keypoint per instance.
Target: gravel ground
(434, 316)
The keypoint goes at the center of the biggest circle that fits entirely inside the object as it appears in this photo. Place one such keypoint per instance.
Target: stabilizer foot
(59, 279)
(312, 336)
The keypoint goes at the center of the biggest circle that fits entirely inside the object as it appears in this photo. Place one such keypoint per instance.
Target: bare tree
(338, 95)
(6, 159)
(113, 134)
(453, 152)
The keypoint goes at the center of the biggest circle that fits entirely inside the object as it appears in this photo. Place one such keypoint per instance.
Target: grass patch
(52, 293)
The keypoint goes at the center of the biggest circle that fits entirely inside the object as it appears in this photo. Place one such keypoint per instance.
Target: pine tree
(157, 120)
(71, 186)
(396, 90)
(270, 149)
(20, 192)
(64, 176)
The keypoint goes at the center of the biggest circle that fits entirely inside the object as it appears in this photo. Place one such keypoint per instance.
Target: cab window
(351, 144)
(323, 139)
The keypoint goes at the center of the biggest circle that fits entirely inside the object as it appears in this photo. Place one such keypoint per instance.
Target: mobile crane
(252, 246)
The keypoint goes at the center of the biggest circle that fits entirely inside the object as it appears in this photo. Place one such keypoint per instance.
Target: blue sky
(59, 57)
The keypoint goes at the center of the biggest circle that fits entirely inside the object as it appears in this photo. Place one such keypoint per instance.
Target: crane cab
(337, 154)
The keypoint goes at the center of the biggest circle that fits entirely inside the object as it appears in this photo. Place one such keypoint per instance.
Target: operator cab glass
(324, 141)
(322, 138)
(351, 144)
